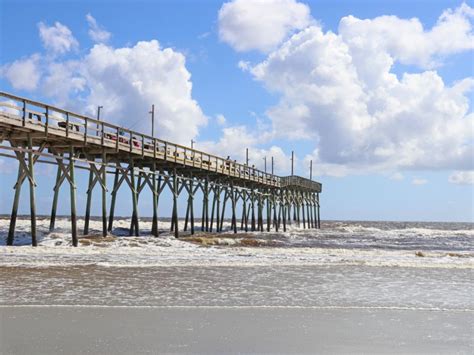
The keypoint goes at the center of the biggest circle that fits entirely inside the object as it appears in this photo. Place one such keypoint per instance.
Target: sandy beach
(217, 330)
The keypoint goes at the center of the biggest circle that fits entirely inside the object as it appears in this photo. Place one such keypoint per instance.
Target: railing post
(46, 115)
(117, 140)
(24, 113)
(85, 130)
(67, 124)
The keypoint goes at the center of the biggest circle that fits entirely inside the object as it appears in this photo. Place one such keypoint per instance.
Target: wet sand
(107, 330)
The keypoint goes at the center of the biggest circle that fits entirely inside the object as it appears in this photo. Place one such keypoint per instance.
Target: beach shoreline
(51, 330)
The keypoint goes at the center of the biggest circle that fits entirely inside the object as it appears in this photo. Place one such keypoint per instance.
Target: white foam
(147, 251)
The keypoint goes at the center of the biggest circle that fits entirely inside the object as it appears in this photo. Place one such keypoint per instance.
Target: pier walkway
(33, 132)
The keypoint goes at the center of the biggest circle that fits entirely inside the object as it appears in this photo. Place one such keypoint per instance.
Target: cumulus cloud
(96, 32)
(23, 74)
(418, 181)
(339, 91)
(260, 24)
(125, 81)
(462, 177)
(57, 38)
(233, 143)
(221, 120)
(405, 40)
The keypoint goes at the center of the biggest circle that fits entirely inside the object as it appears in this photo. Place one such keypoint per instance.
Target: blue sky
(395, 159)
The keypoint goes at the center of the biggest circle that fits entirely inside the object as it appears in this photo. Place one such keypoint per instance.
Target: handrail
(93, 128)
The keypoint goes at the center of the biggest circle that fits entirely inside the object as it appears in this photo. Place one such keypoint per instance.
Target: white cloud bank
(462, 178)
(125, 81)
(260, 24)
(339, 90)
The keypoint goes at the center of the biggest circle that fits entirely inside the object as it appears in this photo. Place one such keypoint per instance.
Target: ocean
(412, 267)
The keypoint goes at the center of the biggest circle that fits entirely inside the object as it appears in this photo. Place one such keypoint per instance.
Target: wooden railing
(298, 181)
(93, 131)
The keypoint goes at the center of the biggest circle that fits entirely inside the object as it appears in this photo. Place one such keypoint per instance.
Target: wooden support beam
(104, 193)
(252, 208)
(274, 205)
(226, 196)
(88, 202)
(283, 206)
(269, 212)
(16, 201)
(175, 204)
(218, 205)
(302, 212)
(233, 201)
(34, 241)
(73, 198)
(213, 208)
(133, 188)
(57, 185)
(244, 209)
(318, 216)
(114, 198)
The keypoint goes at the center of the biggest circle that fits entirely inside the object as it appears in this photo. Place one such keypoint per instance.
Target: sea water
(373, 265)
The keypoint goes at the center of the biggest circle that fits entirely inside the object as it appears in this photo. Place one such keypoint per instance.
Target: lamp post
(311, 170)
(272, 165)
(152, 112)
(292, 162)
(192, 143)
(98, 118)
(265, 160)
(247, 156)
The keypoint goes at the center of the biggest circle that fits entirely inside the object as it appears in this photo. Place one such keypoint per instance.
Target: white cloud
(339, 92)
(96, 32)
(462, 177)
(233, 143)
(58, 38)
(260, 24)
(126, 81)
(389, 38)
(23, 74)
(418, 181)
(221, 120)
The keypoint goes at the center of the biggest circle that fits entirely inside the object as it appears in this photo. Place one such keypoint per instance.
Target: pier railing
(298, 181)
(73, 126)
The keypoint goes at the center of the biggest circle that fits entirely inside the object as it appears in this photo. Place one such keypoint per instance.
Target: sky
(378, 94)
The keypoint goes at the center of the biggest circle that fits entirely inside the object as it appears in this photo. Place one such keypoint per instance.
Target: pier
(33, 132)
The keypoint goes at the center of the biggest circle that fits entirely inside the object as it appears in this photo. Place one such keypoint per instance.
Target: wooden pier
(32, 132)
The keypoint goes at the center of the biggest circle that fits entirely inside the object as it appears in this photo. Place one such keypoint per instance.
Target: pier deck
(34, 132)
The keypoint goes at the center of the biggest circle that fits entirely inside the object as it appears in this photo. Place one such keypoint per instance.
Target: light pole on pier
(98, 118)
(265, 160)
(272, 165)
(311, 170)
(152, 112)
(247, 156)
(192, 143)
(292, 162)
